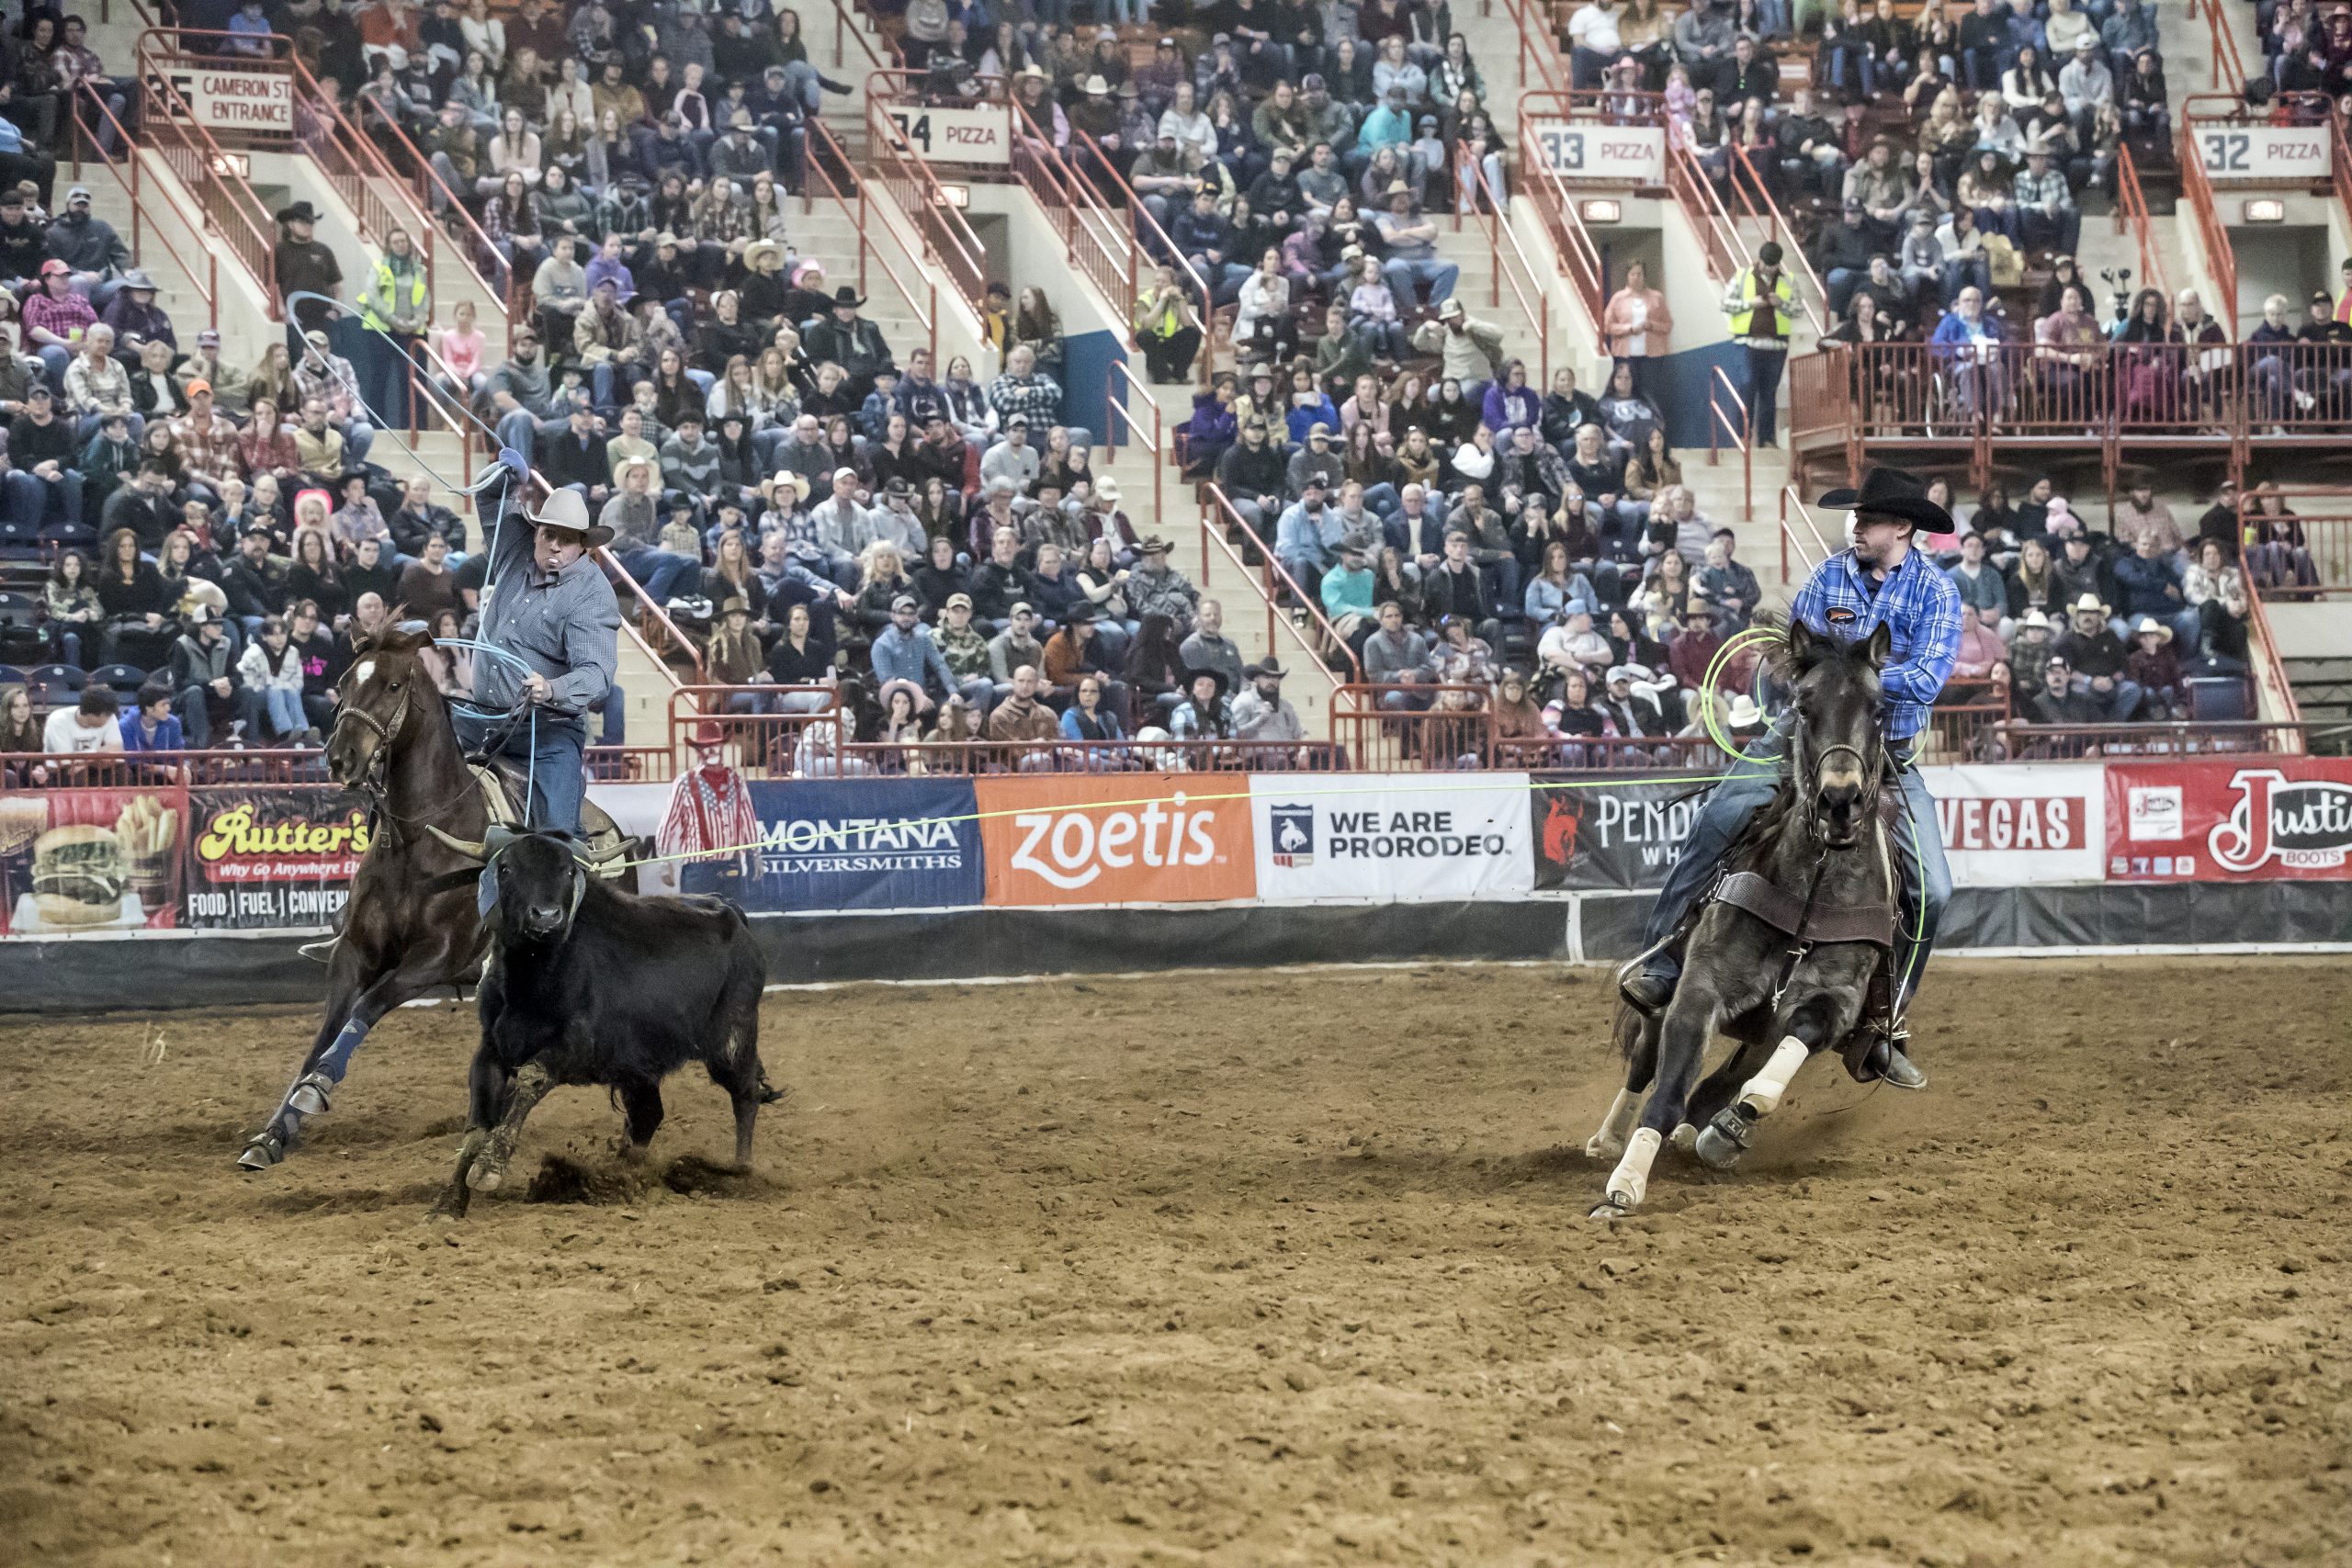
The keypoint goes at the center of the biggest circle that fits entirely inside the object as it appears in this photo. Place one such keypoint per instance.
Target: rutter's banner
(263, 859)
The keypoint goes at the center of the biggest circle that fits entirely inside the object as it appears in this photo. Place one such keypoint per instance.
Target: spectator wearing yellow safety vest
(397, 303)
(1760, 303)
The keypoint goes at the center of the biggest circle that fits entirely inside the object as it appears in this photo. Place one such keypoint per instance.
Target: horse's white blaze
(366, 672)
(1630, 1182)
(1762, 1094)
(1614, 1126)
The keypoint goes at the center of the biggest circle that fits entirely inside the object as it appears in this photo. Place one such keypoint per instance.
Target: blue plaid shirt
(1918, 604)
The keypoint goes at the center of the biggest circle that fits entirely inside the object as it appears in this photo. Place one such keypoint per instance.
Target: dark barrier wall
(85, 977)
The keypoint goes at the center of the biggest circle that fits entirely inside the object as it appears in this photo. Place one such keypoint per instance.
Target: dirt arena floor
(1233, 1268)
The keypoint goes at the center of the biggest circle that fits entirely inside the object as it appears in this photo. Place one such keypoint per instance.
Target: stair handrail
(924, 306)
(1791, 502)
(497, 285)
(1155, 444)
(206, 283)
(1555, 206)
(229, 203)
(2197, 189)
(1146, 237)
(1216, 505)
(1720, 424)
(2131, 212)
(1756, 195)
(1505, 256)
(946, 234)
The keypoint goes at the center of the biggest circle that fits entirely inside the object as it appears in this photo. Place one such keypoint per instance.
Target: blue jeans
(1725, 814)
(553, 749)
(285, 708)
(1402, 274)
(1763, 392)
(659, 572)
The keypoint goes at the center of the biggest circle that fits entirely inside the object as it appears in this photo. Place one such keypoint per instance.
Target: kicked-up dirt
(1236, 1269)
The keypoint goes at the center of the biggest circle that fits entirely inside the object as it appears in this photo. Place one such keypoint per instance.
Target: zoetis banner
(266, 858)
(1118, 838)
(2252, 819)
(1373, 837)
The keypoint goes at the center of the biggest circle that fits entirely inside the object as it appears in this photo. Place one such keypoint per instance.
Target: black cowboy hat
(1198, 670)
(1894, 493)
(300, 212)
(845, 295)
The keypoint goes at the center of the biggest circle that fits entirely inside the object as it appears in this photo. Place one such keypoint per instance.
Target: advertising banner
(955, 134)
(2268, 155)
(1368, 837)
(1587, 150)
(1620, 835)
(2022, 822)
(77, 860)
(260, 859)
(1057, 839)
(2253, 820)
(853, 844)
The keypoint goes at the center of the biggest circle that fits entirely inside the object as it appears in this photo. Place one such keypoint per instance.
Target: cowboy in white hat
(545, 601)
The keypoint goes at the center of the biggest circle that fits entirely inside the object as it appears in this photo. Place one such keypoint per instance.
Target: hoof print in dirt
(562, 1180)
(689, 1175)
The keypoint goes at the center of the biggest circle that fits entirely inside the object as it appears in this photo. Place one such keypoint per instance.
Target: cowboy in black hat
(1878, 580)
(850, 340)
(1204, 715)
(303, 265)
(547, 602)
(1263, 713)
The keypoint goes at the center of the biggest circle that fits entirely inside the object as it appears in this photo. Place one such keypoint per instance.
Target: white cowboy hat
(2090, 602)
(568, 509)
(2150, 624)
(1745, 713)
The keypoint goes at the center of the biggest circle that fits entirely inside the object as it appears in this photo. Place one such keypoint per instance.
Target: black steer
(585, 984)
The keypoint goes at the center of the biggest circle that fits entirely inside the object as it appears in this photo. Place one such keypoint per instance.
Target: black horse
(1784, 949)
(413, 924)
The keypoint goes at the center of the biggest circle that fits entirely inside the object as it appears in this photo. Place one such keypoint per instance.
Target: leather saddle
(503, 782)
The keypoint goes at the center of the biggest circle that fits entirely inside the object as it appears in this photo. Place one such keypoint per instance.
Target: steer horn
(603, 857)
(496, 839)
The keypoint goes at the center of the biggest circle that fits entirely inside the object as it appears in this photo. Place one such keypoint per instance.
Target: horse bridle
(374, 784)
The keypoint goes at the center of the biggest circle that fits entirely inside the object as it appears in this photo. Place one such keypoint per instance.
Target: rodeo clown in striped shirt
(1879, 580)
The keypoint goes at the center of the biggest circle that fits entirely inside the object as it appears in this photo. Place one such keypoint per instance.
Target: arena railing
(2196, 193)
(2132, 213)
(2021, 741)
(830, 168)
(1448, 728)
(1536, 58)
(1801, 534)
(1102, 247)
(154, 209)
(2225, 66)
(1220, 516)
(1821, 395)
(1145, 433)
(844, 28)
(1555, 206)
(1507, 258)
(205, 170)
(2327, 534)
(908, 179)
(1724, 248)
(1733, 427)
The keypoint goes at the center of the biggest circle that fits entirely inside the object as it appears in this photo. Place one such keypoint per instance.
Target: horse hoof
(309, 1097)
(264, 1151)
(1609, 1208)
(483, 1180)
(1686, 1136)
(1724, 1140)
(1601, 1146)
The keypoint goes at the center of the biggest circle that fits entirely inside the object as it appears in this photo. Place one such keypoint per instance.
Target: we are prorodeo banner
(1367, 836)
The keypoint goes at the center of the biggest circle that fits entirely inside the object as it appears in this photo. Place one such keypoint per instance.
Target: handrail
(924, 308)
(207, 284)
(1718, 423)
(1789, 534)
(1215, 502)
(2132, 211)
(946, 234)
(1719, 238)
(2270, 674)
(2226, 66)
(1534, 41)
(2198, 190)
(843, 24)
(1146, 235)
(1761, 206)
(2340, 163)
(498, 283)
(452, 407)
(1101, 248)
(1155, 444)
(200, 164)
(1534, 302)
(1258, 578)
(1571, 240)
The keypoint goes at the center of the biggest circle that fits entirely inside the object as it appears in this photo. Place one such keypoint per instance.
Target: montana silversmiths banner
(1356, 837)
(853, 844)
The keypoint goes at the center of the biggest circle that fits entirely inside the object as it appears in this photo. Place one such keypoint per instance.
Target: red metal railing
(2197, 191)
(1100, 244)
(831, 174)
(2340, 163)
(845, 29)
(1733, 427)
(947, 235)
(154, 209)
(1218, 520)
(1145, 433)
(198, 162)
(1506, 257)
(1802, 535)
(2021, 741)
(2226, 66)
(488, 265)
(1557, 206)
(1448, 728)
(1146, 239)
(2131, 214)
(2326, 536)
(1719, 237)
(1536, 58)
(1754, 197)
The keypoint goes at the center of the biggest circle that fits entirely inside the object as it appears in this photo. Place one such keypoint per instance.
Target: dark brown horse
(413, 924)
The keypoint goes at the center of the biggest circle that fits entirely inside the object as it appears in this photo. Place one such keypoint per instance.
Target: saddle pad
(1782, 910)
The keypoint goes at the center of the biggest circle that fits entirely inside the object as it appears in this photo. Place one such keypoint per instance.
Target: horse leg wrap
(1614, 1127)
(1761, 1096)
(1630, 1182)
(335, 1060)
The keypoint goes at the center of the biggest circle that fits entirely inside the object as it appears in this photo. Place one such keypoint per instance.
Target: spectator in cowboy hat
(850, 340)
(2031, 647)
(2155, 668)
(549, 605)
(2094, 650)
(1204, 715)
(1263, 713)
(302, 264)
